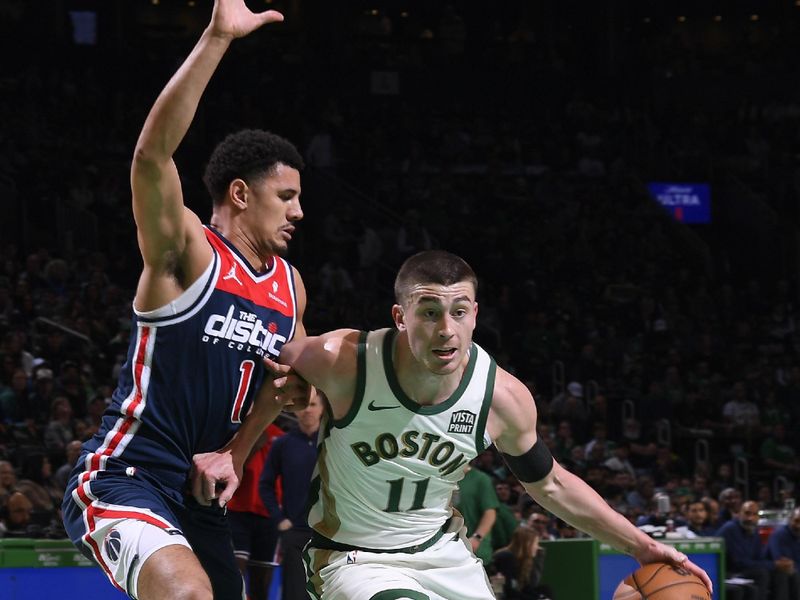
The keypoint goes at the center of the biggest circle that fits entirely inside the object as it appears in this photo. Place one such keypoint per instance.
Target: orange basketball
(661, 581)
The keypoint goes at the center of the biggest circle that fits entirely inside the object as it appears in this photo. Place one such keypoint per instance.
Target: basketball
(661, 581)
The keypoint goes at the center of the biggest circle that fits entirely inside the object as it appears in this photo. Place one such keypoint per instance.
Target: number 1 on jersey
(244, 385)
(396, 490)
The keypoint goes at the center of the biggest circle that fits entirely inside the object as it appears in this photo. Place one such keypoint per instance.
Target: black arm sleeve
(532, 466)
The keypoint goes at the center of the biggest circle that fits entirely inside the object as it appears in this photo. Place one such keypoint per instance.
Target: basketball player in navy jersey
(146, 498)
(409, 407)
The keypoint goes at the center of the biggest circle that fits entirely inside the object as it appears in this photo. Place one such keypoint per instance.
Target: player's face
(274, 208)
(439, 321)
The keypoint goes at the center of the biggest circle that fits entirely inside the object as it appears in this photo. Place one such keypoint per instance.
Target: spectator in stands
(521, 564)
(8, 480)
(37, 406)
(745, 557)
(14, 346)
(599, 447)
(699, 485)
(667, 465)
(477, 502)
(59, 431)
(643, 494)
(15, 518)
(697, 519)
(289, 465)
(722, 479)
(619, 461)
(778, 454)
(764, 495)
(36, 483)
(730, 502)
(541, 521)
(507, 520)
(642, 448)
(740, 413)
(14, 397)
(94, 415)
(70, 384)
(565, 441)
(61, 477)
(784, 543)
(570, 407)
(712, 508)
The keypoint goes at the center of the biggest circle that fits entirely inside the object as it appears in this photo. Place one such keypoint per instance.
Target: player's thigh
(173, 572)
(366, 582)
(451, 570)
(207, 530)
(445, 571)
(120, 525)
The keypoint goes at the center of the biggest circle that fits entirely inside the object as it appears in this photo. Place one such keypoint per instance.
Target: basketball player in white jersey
(409, 408)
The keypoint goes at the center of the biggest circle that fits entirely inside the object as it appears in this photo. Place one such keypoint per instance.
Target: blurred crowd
(663, 357)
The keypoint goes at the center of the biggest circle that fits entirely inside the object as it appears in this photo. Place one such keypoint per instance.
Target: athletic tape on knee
(532, 466)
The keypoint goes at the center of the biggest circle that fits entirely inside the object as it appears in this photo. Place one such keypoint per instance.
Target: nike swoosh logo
(371, 406)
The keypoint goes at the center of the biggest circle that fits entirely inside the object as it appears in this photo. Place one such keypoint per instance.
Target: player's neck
(243, 243)
(418, 382)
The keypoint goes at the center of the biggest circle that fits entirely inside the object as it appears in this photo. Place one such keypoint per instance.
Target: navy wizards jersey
(193, 370)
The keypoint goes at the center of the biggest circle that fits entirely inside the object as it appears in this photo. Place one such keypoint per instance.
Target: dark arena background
(623, 176)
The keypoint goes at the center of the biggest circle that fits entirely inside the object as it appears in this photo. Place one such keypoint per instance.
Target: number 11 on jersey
(396, 490)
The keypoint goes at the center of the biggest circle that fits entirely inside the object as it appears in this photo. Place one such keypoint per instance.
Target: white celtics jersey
(386, 470)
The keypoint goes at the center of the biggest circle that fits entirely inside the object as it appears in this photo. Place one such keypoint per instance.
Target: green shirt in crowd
(476, 495)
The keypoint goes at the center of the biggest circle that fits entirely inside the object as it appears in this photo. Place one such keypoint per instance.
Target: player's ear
(398, 317)
(475, 308)
(237, 190)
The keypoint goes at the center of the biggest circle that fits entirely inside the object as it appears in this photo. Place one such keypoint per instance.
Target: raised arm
(512, 424)
(170, 235)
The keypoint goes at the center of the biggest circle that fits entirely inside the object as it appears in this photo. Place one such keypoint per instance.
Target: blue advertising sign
(686, 202)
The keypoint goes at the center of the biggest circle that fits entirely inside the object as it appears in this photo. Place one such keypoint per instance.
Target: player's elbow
(148, 161)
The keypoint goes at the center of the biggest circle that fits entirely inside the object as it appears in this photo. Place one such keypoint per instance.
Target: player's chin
(443, 369)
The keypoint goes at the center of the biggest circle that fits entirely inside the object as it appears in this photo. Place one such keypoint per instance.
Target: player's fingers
(209, 490)
(292, 383)
(226, 493)
(690, 566)
(274, 367)
(270, 16)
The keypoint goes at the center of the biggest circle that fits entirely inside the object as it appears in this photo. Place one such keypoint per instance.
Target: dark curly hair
(248, 154)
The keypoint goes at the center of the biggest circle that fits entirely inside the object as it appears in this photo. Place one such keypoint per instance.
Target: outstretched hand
(664, 553)
(232, 18)
(291, 391)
